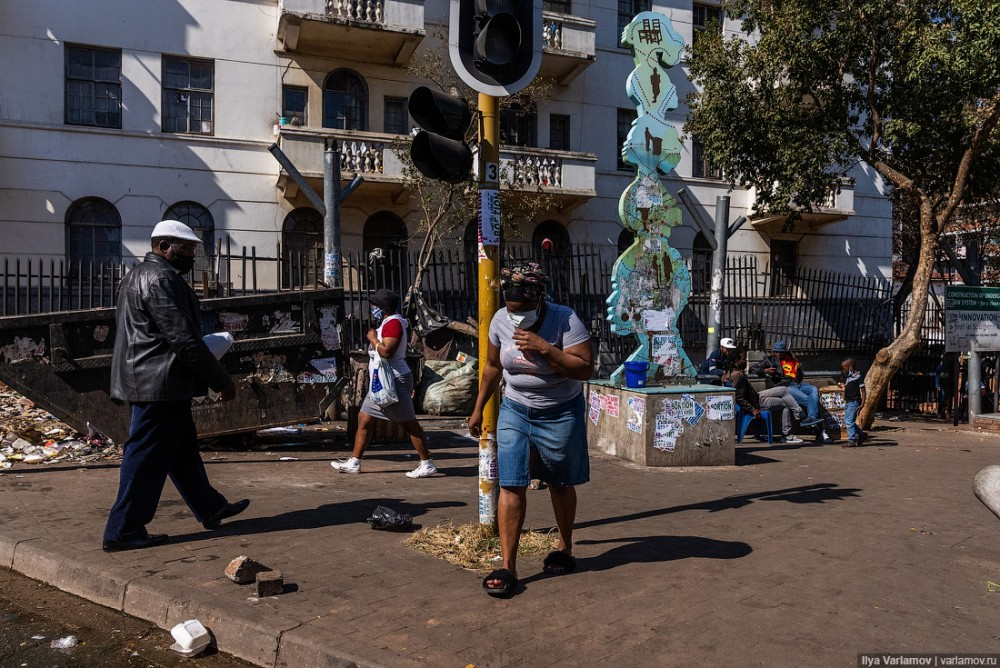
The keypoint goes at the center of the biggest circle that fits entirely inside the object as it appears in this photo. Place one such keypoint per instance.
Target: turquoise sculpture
(650, 283)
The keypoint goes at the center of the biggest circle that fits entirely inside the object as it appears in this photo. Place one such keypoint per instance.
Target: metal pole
(489, 297)
(718, 271)
(975, 403)
(331, 219)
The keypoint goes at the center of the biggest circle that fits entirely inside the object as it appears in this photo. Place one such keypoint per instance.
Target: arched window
(551, 241)
(199, 219)
(302, 248)
(384, 245)
(701, 264)
(625, 239)
(345, 101)
(93, 233)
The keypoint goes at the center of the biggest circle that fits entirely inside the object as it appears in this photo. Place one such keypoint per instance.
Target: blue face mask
(378, 313)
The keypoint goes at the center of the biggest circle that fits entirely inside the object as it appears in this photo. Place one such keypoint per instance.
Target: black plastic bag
(387, 519)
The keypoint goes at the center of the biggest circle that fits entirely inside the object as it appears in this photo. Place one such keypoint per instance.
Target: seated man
(782, 368)
(777, 397)
(720, 360)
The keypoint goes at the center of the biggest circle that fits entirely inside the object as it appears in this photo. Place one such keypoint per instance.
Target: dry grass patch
(475, 546)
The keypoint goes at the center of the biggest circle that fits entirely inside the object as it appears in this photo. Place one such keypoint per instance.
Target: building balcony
(369, 154)
(568, 46)
(568, 177)
(837, 206)
(383, 32)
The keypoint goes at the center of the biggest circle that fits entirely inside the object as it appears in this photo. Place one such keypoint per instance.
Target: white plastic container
(191, 636)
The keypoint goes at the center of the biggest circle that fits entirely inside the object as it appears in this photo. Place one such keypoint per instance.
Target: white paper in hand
(219, 343)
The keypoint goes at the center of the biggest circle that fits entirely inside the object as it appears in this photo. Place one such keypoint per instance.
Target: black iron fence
(814, 311)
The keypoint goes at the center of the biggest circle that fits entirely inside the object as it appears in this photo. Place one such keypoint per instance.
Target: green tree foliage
(909, 89)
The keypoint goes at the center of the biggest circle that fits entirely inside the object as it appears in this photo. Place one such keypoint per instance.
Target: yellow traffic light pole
(489, 295)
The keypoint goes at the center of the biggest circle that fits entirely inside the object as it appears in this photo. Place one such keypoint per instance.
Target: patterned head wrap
(523, 281)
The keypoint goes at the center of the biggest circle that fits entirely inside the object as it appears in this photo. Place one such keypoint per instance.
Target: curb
(278, 641)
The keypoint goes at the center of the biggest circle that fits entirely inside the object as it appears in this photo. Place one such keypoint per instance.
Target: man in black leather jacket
(160, 363)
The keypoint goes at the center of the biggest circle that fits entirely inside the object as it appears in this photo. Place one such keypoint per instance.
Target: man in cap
(160, 363)
(782, 369)
(721, 360)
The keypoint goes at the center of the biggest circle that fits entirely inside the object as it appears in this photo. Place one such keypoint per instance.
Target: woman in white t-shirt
(542, 351)
(389, 341)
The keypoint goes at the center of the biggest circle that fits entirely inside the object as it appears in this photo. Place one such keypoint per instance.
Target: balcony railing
(355, 10)
(367, 153)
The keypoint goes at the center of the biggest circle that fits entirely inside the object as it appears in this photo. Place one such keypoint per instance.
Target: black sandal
(559, 563)
(508, 579)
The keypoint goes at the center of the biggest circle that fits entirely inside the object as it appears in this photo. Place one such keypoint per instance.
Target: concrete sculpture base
(682, 425)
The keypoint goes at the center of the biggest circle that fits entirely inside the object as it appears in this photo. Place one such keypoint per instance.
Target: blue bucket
(635, 374)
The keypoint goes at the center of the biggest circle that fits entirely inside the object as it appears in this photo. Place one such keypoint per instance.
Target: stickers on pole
(489, 217)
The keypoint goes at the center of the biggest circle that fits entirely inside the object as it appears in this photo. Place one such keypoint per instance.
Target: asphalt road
(33, 615)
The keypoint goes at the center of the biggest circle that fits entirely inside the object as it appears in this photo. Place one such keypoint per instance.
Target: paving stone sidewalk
(798, 556)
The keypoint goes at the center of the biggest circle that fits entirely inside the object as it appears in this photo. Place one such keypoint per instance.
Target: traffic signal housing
(496, 45)
(439, 150)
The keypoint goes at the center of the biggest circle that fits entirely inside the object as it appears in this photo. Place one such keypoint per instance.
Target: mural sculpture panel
(650, 282)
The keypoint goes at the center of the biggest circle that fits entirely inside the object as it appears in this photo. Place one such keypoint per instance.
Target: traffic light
(439, 150)
(496, 45)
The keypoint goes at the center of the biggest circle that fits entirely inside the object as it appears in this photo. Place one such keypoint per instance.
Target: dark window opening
(188, 96)
(93, 87)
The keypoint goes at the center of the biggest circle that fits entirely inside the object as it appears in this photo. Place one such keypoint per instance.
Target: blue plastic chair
(743, 421)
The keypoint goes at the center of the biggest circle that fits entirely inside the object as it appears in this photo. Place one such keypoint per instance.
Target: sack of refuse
(388, 519)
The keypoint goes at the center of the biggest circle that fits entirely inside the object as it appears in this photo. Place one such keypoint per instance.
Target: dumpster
(284, 362)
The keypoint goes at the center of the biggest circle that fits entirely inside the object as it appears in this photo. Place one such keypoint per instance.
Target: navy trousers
(162, 442)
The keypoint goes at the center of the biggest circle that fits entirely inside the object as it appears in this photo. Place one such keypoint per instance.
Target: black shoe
(227, 511)
(151, 540)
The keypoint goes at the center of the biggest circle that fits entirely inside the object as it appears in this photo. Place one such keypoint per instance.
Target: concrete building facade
(119, 113)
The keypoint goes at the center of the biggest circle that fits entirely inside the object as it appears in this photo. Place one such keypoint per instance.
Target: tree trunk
(890, 359)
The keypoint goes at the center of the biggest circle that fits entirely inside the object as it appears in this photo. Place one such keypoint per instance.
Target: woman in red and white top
(389, 341)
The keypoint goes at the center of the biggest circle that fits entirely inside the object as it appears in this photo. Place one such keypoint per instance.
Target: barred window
(558, 6)
(518, 125)
(559, 132)
(705, 16)
(345, 101)
(703, 167)
(199, 219)
(188, 95)
(628, 10)
(93, 233)
(622, 127)
(294, 101)
(396, 118)
(93, 87)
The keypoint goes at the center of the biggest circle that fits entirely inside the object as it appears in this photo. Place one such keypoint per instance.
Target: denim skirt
(545, 443)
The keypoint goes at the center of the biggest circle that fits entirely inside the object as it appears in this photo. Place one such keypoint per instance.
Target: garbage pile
(30, 435)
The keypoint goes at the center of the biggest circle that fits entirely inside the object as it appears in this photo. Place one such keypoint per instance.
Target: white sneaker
(791, 439)
(425, 469)
(349, 465)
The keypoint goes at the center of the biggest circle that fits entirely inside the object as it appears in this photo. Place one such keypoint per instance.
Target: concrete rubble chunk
(269, 583)
(242, 570)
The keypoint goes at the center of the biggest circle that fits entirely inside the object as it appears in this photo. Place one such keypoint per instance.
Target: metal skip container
(284, 362)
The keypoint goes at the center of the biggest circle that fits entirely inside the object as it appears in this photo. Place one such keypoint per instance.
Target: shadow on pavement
(331, 514)
(818, 493)
(652, 549)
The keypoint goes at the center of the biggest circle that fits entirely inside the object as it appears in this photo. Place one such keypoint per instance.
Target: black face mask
(182, 263)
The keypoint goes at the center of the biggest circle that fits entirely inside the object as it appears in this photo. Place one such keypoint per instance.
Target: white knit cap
(173, 229)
